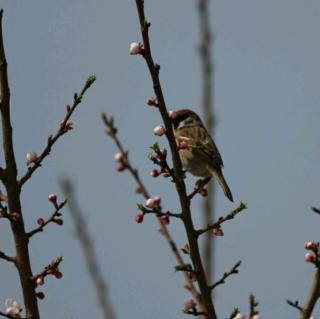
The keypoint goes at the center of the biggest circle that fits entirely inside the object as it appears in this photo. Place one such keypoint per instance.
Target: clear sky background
(266, 56)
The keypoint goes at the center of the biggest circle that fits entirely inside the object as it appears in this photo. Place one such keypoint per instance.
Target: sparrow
(201, 156)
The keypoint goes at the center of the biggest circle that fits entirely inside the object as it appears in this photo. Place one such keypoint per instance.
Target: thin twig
(8, 258)
(234, 270)
(294, 304)
(56, 213)
(88, 248)
(61, 131)
(222, 220)
(316, 210)
(253, 304)
(161, 214)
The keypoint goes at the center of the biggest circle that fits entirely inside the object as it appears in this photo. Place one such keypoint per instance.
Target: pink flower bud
(256, 317)
(239, 316)
(40, 280)
(310, 258)
(159, 130)
(152, 102)
(15, 215)
(156, 200)
(204, 192)
(217, 231)
(135, 48)
(139, 189)
(189, 304)
(120, 167)
(68, 125)
(150, 203)
(182, 145)
(154, 173)
(139, 218)
(31, 157)
(58, 221)
(172, 114)
(165, 220)
(119, 157)
(308, 245)
(40, 221)
(52, 198)
(40, 295)
(58, 274)
(192, 276)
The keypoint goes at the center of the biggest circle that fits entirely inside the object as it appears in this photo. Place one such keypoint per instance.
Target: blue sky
(267, 105)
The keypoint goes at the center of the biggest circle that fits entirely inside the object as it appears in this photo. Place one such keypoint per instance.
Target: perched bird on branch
(198, 153)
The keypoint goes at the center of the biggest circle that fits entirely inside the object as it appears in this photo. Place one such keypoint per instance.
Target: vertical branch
(205, 302)
(89, 252)
(9, 178)
(312, 298)
(208, 115)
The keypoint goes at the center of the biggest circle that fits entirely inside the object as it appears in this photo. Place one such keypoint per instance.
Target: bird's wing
(200, 142)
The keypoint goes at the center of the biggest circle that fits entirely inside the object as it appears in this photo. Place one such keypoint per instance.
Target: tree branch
(91, 260)
(51, 219)
(312, 298)
(13, 191)
(208, 115)
(222, 220)
(205, 303)
(64, 128)
(232, 271)
(7, 258)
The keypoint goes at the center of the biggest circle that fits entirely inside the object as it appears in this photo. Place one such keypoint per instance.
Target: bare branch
(91, 260)
(9, 179)
(222, 220)
(294, 304)
(253, 304)
(205, 51)
(316, 210)
(51, 219)
(205, 303)
(8, 258)
(313, 297)
(234, 270)
(64, 128)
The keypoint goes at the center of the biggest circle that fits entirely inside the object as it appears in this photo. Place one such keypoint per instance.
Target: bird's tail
(217, 173)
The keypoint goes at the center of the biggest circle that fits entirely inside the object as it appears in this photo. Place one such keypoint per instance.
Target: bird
(200, 155)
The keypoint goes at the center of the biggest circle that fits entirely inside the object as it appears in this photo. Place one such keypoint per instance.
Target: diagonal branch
(222, 220)
(51, 219)
(234, 270)
(85, 240)
(64, 128)
(7, 258)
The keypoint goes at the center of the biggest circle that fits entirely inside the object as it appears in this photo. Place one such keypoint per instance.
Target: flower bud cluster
(121, 161)
(313, 256)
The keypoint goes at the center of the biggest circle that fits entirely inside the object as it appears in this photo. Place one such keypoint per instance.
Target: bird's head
(185, 117)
